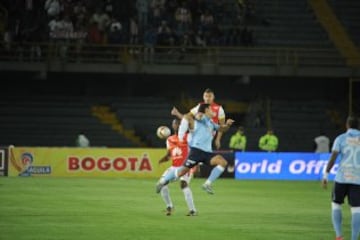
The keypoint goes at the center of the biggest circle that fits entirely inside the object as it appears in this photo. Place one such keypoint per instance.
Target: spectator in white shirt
(82, 141)
(322, 143)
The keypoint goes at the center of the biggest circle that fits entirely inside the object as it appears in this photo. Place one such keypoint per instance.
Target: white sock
(184, 126)
(189, 198)
(165, 194)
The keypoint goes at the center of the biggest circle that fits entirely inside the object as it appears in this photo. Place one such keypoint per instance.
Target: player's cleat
(207, 188)
(169, 211)
(191, 213)
(339, 238)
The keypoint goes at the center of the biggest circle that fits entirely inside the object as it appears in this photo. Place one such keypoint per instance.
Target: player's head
(270, 131)
(352, 122)
(240, 129)
(208, 96)
(175, 124)
(205, 109)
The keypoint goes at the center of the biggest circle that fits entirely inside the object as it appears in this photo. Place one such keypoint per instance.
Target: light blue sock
(355, 223)
(215, 174)
(170, 176)
(336, 216)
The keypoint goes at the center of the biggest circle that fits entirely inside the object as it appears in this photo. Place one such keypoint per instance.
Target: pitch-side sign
(281, 166)
(86, 162)
(3, 161)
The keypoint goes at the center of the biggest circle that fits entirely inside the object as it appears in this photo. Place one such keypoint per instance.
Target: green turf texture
(100, 208)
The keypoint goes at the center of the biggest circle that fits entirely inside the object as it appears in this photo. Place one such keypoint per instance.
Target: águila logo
(25, 164)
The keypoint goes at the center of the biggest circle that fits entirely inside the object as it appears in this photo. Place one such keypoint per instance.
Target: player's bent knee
(182, 172)
(218, 160)
(183, 184)
(224, 163)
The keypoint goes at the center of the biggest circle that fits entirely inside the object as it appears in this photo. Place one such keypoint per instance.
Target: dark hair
(202, 107)
(352, 121)
(208, 90)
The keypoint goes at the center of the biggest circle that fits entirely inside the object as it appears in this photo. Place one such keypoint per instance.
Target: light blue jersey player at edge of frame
(347, 179)
(200, 148)
(348, 145)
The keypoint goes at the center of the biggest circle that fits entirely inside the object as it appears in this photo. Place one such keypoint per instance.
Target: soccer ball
(163, 132)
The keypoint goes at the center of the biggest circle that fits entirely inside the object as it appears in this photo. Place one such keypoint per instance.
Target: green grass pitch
(98, 208)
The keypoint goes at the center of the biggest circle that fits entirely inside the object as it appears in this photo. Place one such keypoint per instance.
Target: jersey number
(351, 157)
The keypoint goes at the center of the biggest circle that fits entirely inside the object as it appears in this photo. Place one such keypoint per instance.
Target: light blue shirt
(203, 134)
(348, 146)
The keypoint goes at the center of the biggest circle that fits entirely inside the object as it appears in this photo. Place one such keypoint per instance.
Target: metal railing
(125, 54)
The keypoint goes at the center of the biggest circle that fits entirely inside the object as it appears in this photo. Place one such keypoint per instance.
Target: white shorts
(185, 178)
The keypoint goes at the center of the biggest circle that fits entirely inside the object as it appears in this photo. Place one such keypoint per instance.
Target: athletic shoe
(169, 211)
(191, 213)
(207, 188)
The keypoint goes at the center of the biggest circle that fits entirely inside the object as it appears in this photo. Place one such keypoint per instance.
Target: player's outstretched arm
(187, 123)
(165, 158)
(226, 126)
(219, 135)
(175, 112)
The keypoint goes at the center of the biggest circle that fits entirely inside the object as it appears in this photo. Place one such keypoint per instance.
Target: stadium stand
(297, 123)
(336, 31)
(289, 24)
(348, 13)
(53, 121)
(36, 119)
(234, 23)
(267, 34)
(250, 33)
(297, 110)
(144, 115)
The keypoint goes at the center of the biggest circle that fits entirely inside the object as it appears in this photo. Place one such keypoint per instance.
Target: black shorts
(196, 156)
(352, 191)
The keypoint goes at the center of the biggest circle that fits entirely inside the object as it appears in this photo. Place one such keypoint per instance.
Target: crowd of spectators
(144, 22)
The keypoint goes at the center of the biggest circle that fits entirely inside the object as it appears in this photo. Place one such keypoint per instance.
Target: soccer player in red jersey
(218, 113)
(177, 151)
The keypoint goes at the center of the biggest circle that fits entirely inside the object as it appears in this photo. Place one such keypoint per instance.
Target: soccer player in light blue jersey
(347, 179)
(202, 128)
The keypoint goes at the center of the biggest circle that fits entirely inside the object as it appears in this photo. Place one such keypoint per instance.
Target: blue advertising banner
(281, 166)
